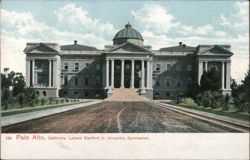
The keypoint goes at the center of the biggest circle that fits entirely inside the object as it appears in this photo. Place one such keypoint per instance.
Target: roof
(43, 47)
(78, 47)
(128, 32)
(215, 47)
(179, 48)
(130, 44)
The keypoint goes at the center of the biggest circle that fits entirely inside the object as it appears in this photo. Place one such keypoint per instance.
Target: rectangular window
(157, 81)
(157, 67)
(42, 79)
(178, 66)
(178, 82)
(76, 81)
(137, 66)
(118, 66)
(86, 81)
(189, 67)
(65, 67)
(76, 66)
(168, 82)
(168, 67)
(97, 80)
(189, 82)
(97, 66)
(40, 65)
(65, 79)
(127, 66)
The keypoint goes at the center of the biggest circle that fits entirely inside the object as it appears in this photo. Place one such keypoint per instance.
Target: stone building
(79, 71)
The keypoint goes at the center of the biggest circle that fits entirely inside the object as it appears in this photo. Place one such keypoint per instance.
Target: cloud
(154, 17)
(74, 16)
(161, 29)
(18, 28)
(223, 20)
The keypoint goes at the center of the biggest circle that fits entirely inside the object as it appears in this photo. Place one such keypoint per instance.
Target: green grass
(231, 112)
(38, 108)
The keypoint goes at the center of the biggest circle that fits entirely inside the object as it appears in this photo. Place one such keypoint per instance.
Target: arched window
(44, 93)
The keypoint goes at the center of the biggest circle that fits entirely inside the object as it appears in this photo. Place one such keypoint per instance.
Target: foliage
(226, 100)
(30, 96)
(210, 98)
(18, 83)
(21, 98)
(5, 97)
(241, 93)
(210, 80)
(240, 102)
(43, 101)
(189, 102)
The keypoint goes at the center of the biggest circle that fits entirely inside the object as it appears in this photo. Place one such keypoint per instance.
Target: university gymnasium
(80, 71)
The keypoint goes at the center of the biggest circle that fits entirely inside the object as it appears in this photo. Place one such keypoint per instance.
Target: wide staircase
(126, 94)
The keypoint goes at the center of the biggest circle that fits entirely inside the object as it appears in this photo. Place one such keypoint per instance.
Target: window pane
(76, 81)
(97, 66)
(65, 80)
(76, 66)
(157, 67)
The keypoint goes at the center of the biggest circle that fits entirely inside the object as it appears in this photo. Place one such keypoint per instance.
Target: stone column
(49, 73)
(54, 84)
(132, 73)
(148, 74)
(107, 73)
(206, 66)
(112, 72)
(33, 72)
(228, 76)
(122, 74)
(200, 71)
(28, 73)
(222, 75)
(142, 75)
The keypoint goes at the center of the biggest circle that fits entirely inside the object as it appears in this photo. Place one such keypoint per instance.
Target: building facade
(79, 71)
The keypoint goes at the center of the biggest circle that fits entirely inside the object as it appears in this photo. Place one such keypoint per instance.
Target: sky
(94, 23)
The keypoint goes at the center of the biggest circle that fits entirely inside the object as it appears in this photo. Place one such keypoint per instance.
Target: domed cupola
(128, 34)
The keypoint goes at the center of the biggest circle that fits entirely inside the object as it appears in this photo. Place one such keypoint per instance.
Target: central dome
(128, 34)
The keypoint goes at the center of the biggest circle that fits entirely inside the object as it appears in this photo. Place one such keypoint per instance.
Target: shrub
(189, 101)
(50, 100)
(20, 98)
(226, 100)
(43, 101)
(240, 102)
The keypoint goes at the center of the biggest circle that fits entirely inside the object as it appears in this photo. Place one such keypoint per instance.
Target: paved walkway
(13, 119)
(209, 115)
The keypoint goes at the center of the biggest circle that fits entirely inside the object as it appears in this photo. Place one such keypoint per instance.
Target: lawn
(231, 112)
(38, 108)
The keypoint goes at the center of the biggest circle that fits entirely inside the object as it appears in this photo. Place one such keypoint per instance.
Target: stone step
(126, 94)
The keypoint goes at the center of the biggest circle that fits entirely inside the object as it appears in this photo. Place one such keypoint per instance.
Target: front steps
(125, 94)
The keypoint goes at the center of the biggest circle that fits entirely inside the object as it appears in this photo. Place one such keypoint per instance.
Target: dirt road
(115, 117)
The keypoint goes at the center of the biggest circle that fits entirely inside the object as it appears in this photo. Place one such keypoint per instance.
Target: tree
(241, 93)
(210, 80)
(18, 84)
(5, 97)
